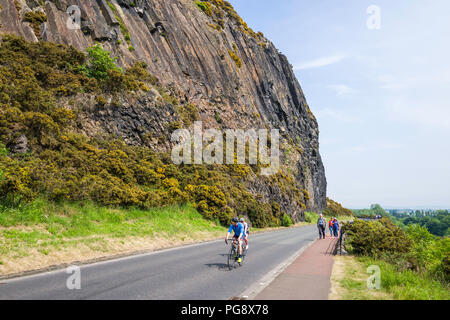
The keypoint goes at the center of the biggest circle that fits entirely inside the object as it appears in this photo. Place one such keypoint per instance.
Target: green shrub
(100, 63)
(335, 209)
(286, 221)
(259, 214)
(205, 7)
(375, 238)
(234, 56)
(311, 217)
(3, 151)
(36, 19)
(188, 113)
(218, 9)
(211, 202)
(429, 253)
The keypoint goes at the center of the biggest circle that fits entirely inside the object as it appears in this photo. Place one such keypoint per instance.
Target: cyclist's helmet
(242, 220)
(235, 220)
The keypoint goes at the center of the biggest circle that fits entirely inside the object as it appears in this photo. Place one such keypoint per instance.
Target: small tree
(100, 63)
(286, 221)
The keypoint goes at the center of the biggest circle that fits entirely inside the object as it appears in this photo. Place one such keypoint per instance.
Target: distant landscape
(437, 222)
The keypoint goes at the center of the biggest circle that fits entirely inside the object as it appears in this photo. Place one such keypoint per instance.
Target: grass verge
(42, 234)
(349, 280)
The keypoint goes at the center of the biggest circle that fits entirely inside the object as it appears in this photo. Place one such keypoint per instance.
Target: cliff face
(208, 57)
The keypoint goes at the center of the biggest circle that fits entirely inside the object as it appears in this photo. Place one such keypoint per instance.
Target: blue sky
(381, 96)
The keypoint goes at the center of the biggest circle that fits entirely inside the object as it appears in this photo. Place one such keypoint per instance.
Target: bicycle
(234, 254)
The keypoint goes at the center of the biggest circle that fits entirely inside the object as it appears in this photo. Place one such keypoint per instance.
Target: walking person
(330, 226)
(335, 227)
(321, 222)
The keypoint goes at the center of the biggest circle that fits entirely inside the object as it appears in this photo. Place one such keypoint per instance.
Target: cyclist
(246, 232)
(238, 229)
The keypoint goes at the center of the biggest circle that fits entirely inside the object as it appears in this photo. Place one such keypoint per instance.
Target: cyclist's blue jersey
(237, 229)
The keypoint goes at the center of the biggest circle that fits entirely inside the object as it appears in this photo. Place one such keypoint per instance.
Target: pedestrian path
(307, 278)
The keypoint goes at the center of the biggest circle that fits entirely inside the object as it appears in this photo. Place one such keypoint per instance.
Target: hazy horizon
(380, 95)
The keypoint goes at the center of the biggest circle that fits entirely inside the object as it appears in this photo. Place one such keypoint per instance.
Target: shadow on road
(219, 266)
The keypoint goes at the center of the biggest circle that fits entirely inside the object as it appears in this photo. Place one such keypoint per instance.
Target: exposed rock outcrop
(196, 56)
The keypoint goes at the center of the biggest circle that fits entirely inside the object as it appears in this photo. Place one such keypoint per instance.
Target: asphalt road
(196, 272)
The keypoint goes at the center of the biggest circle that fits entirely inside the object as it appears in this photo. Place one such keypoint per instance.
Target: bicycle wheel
(232, 258)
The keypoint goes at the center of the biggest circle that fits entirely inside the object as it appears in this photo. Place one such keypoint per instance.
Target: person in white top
(242, 220)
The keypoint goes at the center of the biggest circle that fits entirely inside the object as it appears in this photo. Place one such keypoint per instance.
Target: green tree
(378, 210)
(100, 63)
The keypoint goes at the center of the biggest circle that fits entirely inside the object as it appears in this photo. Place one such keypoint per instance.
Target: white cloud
(339, 116)
(328, 141)
(362, 148)
(320, 62)
(432, 114)
(342, 90)
(376, 146)
(391, 83)
(430, 78)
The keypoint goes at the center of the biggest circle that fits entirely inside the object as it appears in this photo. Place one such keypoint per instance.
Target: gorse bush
(415, 249)
(375, 238)
(219, 9)
(205, 7)
(429, 254)
(259, 214)
(335, 209)
(235, 58)
(36, 19)
(211, 202)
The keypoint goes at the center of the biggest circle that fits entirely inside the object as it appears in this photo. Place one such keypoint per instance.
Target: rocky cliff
(205, 55)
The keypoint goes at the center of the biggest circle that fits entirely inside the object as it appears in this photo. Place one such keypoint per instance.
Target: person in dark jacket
(321, 223)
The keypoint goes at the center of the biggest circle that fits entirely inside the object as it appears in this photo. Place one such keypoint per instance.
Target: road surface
(197, 272)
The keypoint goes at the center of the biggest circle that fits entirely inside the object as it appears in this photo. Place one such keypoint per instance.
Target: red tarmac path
(307, 278)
